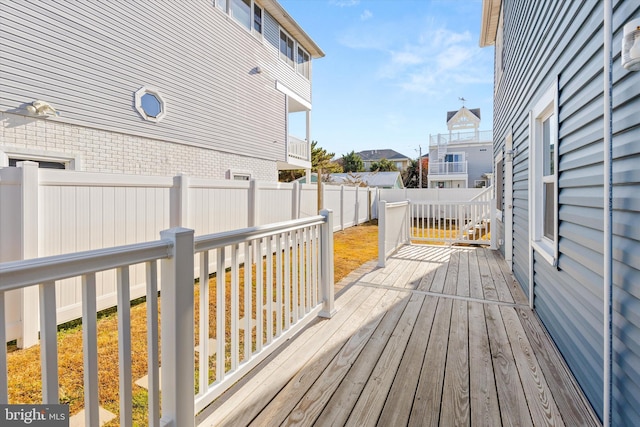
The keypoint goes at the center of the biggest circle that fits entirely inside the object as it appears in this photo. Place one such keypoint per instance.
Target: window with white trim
(245, 12)
(499, 50)
(286, 48)
(303, 62)
(239, 175)
(543, 183)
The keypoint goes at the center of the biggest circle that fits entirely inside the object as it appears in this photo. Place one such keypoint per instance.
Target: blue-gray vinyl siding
(88, 58)
(545, 40)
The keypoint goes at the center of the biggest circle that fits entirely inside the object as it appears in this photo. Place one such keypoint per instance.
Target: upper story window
(499, 50)
(286, 48)
(303, 62)
(257, 18)
(241, 12)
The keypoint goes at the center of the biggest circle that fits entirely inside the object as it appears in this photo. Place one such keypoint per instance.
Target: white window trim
(73, 162)
(499, 49)
(232, 173)
(138, 102)
(294, 64)
(547, 106)
(308, 62)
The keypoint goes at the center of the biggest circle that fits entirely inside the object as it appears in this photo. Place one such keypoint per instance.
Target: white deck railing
(447, 168)
(393, 228)
(299, 148)
(293, 264)
(451, 222)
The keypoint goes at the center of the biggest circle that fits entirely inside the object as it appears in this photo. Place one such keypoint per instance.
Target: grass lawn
(352, 248)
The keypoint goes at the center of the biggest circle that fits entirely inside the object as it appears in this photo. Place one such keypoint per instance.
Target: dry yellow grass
(352, 248)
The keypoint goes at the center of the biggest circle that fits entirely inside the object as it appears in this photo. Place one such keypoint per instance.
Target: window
(239, 175)
(222, 4)
(257, 18)
(286, 48)
(241, 12)
(45, 158)
(499, 49)
(150, 104)
(543, 179)
(303, 62)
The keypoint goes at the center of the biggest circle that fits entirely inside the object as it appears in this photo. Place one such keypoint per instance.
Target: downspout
(608, 218)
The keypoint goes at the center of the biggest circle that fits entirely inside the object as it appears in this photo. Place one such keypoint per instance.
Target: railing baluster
(307, 264)
(269, 250)
(4, 384)
(259, 295)
(203, 338)
(124, 346)
(301, 272)
(294, 275)
(287, 280)
(279, 273)
(235, 307)
(152, 344)
(90, 349)
(248, 315)
(220, 315)
(49, 342)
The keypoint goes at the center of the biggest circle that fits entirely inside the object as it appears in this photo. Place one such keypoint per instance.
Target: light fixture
(41, 108)
(510, 154)
(631, 45)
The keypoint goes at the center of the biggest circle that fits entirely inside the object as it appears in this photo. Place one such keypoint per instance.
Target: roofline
(489, 23)
(288, 23)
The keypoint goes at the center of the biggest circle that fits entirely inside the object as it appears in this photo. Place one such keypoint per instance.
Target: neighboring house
(369, 157)
(550, 119)
(369, 179)
(205, 88)
(463, 157)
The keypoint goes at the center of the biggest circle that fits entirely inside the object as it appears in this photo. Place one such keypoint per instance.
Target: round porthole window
(150, 104)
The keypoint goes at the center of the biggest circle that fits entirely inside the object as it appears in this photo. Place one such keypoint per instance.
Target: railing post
(179, 201)
(295, 200)
(253, 204)
(382, 250)
(326, 265)
(177, 330)
(341, 207)
(29, 238)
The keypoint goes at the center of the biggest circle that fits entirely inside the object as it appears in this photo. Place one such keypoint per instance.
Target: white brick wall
(103, 151)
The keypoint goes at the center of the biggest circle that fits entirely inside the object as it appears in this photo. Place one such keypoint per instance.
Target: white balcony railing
(447, 168)
(453, 137)
(279, 276)
(299, 149)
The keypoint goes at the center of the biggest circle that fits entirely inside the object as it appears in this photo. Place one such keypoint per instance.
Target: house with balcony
(566, 132)
(369, 157)
(156, 88)
(461, 158)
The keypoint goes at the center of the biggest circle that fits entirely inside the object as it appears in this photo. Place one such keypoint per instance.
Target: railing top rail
(397, 204)
(451, 202)
(212, 241)
(18, 274)
(482, 193)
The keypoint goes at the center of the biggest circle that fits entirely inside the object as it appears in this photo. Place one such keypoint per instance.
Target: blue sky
(392, 70)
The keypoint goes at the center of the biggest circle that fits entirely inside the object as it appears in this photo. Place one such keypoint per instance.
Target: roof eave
(288, 23)
(489, 24)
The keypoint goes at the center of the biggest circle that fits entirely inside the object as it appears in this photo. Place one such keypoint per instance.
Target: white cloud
(345, 3)
(367, 14)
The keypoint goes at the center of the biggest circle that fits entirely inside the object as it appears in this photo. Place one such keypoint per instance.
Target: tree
(383, 165)
(351, 162)
(410, 176)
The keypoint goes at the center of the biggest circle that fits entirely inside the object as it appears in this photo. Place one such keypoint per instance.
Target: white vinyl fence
(393, 228)
(45, 212)
(292, 286)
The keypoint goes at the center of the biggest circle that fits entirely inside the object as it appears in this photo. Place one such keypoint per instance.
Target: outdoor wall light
(510, 154)
(41, 108)
(631, 45)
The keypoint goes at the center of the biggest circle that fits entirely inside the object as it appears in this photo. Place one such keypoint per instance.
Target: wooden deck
(441, 336)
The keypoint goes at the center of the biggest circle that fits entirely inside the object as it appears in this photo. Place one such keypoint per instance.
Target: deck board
(440, 336)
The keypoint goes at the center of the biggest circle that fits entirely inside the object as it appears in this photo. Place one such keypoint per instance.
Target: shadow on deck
(441, 336)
